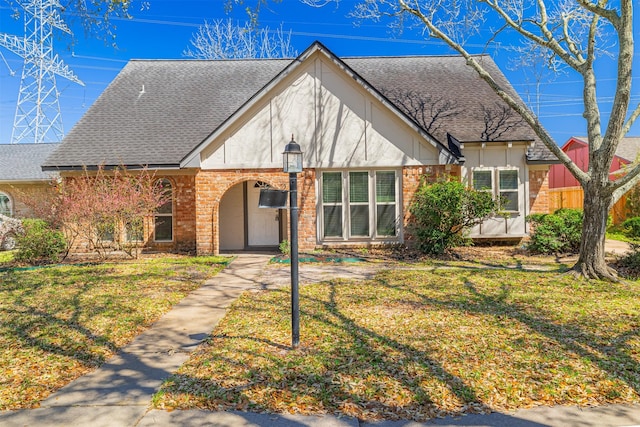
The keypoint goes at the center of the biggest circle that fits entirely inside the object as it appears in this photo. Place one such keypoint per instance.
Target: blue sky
(164, 29)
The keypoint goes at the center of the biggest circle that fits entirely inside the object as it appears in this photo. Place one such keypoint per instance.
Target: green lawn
(5, 257)
(418, 344)
(59, 322)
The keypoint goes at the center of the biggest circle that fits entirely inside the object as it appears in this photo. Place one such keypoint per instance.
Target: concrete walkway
(119, 393)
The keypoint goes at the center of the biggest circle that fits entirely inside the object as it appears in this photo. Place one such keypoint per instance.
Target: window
(332, 203)
(482, 180)
(359, 203)
(134, 230)
(163, 218)
(507, 188)
(367, 208)
(386, 203)
(5, 205)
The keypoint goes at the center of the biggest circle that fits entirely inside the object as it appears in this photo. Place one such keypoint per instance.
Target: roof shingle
(21, 162)
(156, 112)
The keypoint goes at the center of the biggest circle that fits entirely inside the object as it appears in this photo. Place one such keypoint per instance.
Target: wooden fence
(573, 197)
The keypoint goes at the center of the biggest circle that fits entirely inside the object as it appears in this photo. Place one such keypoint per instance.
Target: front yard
(421, 343)
(59, 322)
(418, 340)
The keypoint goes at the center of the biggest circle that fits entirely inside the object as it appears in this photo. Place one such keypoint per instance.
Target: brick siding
(538, 191)
(22, 195)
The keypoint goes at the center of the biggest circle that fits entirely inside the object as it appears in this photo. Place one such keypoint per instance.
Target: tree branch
(634, 115)
(608, 14)
(548, 41)
(580, 175)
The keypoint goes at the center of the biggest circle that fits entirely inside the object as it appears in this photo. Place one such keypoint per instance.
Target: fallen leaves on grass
(420, 344)
(59, 322)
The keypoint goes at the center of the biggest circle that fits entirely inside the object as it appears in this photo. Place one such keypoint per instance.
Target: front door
(263, 224)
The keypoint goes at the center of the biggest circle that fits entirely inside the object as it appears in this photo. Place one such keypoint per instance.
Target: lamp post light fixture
(292, 164)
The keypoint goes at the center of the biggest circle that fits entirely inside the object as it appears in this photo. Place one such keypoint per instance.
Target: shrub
(284, 247)
(631, 227)
(559, 232)
(443, 212)
(39, 243)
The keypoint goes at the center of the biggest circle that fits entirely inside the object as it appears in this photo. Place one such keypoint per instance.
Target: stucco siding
(496, 157)
(337, 123)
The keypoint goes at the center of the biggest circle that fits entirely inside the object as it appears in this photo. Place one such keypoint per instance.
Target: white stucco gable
(338, 120)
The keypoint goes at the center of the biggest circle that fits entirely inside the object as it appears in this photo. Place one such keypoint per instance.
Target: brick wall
(538, 191)
(184, 216)
(412, 177)
(23, 195)
(210, 186)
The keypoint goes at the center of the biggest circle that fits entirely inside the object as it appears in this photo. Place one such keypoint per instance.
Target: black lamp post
(292, 164)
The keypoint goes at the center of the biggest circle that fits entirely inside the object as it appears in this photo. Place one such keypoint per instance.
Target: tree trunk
(591, 263)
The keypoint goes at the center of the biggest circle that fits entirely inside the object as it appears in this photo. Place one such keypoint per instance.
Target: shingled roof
(156, 112)
(21, 162)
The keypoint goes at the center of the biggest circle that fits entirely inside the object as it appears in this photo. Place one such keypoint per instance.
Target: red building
(577, 148)
(565, 192)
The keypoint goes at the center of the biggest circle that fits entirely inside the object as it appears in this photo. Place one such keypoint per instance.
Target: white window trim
(517, 190)
(346, 207)
(397, 203)
(495, 183)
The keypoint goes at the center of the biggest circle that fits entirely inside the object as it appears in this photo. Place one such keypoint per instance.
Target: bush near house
(39, 243)
(559, 232)
(445, 210)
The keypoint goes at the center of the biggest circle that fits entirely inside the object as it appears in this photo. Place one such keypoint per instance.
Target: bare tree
(571, 35)
(428, 111)
(224, 39)
(498, 120)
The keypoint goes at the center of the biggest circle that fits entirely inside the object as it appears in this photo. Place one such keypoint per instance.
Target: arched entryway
(245, 226)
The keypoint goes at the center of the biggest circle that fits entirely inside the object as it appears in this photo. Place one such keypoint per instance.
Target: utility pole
(38, 117)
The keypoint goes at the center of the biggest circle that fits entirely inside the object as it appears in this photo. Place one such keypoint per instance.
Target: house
(565, 190)
(214, 131)
(21, 176)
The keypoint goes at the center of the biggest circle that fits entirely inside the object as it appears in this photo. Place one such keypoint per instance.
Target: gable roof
(158, 112)
(319, 47)
(628, 149)
(21, 162)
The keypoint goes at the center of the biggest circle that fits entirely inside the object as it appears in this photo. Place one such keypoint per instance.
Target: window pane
(163, 228)
(167, 207)
(482, 180)
(106, 231)
(386, 220)
(134, 230)
(5, 205)
(509, 200)
(385, 187)
(359, 220)
(332, 221)
(358, 187)
(508, 179)
(332, 187)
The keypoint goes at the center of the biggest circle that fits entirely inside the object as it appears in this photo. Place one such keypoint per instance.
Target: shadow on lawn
(47, 331)
(608, 353)
(337, 385)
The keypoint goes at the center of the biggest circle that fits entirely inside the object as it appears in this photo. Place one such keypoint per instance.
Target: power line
(38, 118)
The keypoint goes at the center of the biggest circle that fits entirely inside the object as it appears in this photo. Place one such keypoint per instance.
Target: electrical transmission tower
(37, 117)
